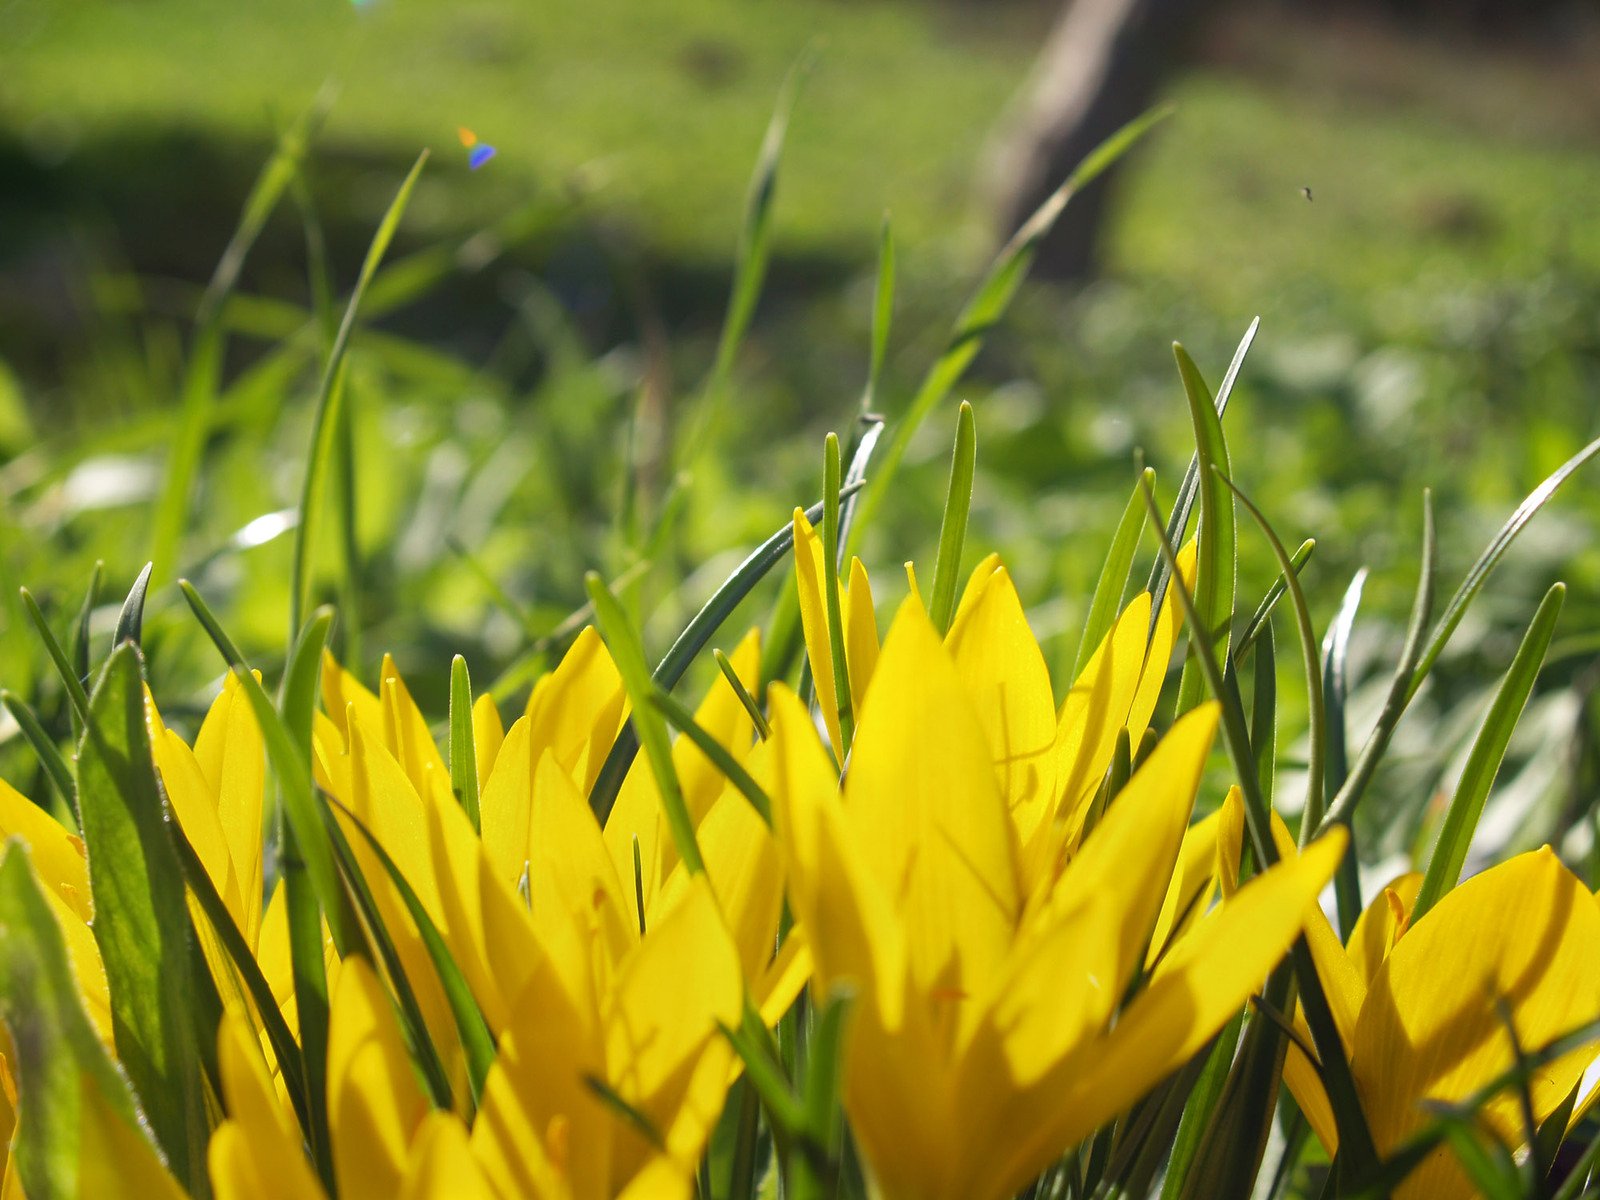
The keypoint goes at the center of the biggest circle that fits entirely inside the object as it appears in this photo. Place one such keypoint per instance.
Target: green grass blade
(813, 1173)
(678, 714)
(58, 657)
(1488, 751)
(80, 636)
(882, 316)
(463, 750)
(164, 1005)
(1216, 562)
(699, 631)
(302, 677)
(830, 580)
(1456, 609)
(476, 1039)
(324, 422)
(43, 745)
(56, 1050)
(752, 1043)
(1179, 520)
(1344, 803)
(204, 369)
(1317, 718)
(1269, 602)
(751, 708)
(130, 621)
(1336, 766)
(953, 529)
(284, 1047)
(651, 728)
(1113, 581)
(988, 304)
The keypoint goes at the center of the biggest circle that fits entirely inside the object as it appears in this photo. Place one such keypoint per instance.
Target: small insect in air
(478, 152)
(1306, 192)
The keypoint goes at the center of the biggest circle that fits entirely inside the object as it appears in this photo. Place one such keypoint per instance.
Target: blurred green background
(521, 395)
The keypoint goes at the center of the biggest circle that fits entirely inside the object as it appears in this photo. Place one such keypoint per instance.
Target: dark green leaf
(463, 750)
(953, 529)
(130, 621)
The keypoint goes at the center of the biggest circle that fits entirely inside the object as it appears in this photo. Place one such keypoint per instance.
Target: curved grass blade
(1216, 559)
(58, 656)
(1317, 717)
(80, 635)
(130, 621)
(204, 369)
(324, 422)
(473, 1030)
(700, 630)
(1113, 581)
(1335, 690)
(628, 654)
(1488, 751)
(164, 1005)
(463, 751)
(1179, 521)
(1358, 1155)
(830, 580)
(1269, 602)
(44, 747)
(988, 304)
(57, 1053)
(1342, 808)
(678, 714)
(751, 708)
(1456, 609)
(953, 529)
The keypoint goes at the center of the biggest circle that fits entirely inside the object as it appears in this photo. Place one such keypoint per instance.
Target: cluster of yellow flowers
(1023, 957)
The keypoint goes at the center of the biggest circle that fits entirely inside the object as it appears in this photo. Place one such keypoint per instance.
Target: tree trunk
(1100, 68)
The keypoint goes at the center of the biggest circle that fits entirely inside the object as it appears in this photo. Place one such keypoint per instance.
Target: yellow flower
(1419, 1008)
(987, 1038)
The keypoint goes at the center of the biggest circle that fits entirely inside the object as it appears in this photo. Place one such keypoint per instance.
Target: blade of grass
(1113, 581)
(679, 715)
(1179, 521)
(43, 746)
(1216, 560)
(463, 751)
(130, 621)
(953, 529)
(1488, 752)
(324, 422)
(988, 303)
(1456, 609)
(1269, 602)
(80, 635)
(1335, 689)
(813, 1173)
(58, 656)
(164, 1004)
(751, 708)
(628, 654)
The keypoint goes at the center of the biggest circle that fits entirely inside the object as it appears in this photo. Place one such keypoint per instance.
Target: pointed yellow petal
(927, 816)
(231, 754)
(577, 709)
(506, 801)
(58, 855)
(809, 582)
(194, 803)
(340, 689)
(1379, 926)
(1522, 933)
(405, 732)
(860, 633)
(374, 1102)
(256, 1154)
(488, 735)
(1189, 894)
(1003, 671)
(1159, 656)
(441, 1163)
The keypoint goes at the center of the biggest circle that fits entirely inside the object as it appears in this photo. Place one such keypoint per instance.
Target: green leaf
(1488, 751)
(1335, 690)
(324, 422)
(813, 1171)
(43, 746)
(58, 656)
(1113, 581)
(56, 1052)
(80, 636)
(678, 713)
(751, 708)
(627, 652)
(988, 303)
(463, 750)
(953, 529)
(1202, 1102)
(830, 578)
(164, 1005)
(1490, 558)
(1216, 562)
(130, 621)
(1269, 602)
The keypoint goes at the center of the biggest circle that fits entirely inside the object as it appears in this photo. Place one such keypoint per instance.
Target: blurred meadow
(1406, 202)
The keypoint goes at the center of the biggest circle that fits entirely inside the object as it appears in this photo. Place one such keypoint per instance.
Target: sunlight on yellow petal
(488, 735)
(1379, 925)
(256, 1153)
(58, 856)
(505, 803)
(1189, 894)
(577, 709)
(1169, 621)
(340, 689)
(441, 1163)
(860, 633)
(809, 582)
(230, 752)
(114, 1159)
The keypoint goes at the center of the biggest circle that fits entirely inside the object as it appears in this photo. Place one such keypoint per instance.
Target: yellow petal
(927, 816)
(506, 801)
(1189, 893)
(1381, 923)
(114, 1159)
(58, 856)
(406, 736)
(230, 752)
(488, 735)
(194, 803)
(1169, 621)
(860, 633)
(1003, 671)
(256, 1154)
(340, 689)
(577, 709)
(374, 1101)
(441, 1163)
(1522, 933)
(810, 583)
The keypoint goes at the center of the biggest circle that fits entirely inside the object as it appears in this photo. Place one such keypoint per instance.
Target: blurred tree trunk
(1100, 67)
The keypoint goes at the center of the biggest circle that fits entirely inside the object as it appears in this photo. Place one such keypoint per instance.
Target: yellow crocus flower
(1419, 1007)
(986, 1038)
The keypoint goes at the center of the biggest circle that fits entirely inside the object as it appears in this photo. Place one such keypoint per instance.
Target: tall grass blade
(80, 636)
(988, 303)
(463, 750)
(1113, 581)
(324, 421)
(58, 657)
(1216, 562)
(1488, 752)
(130, 621)
(164, 1005)
(651, 728)
(679, 715)
(751, 707)
(1269, 602)
(953, 529)
(1335, 691)
(813, 1173)
(56, 1053)
(830, 580)
(49, 754)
